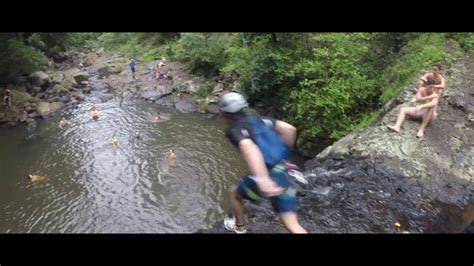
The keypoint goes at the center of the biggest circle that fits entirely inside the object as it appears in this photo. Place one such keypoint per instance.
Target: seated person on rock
(428, 97)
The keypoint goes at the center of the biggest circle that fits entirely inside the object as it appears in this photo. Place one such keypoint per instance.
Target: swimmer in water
(172, 157)
(37, 178)
(63, 123)
(94, 113)
(156, 117)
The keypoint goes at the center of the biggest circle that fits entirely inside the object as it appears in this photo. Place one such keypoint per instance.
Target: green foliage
(148, 45)
(204, 53)
(367, 119)
(156, 38)
(203, 104)
(82, 38)
(265, 61)
(16, 58)
(205, 90)
(117, 41)
(23, 53)
(335, 91)
(169, 51)
(202, 94)
(420, 53)
(465, 40)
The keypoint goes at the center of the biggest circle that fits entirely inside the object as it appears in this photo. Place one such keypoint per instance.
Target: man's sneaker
(229, 223)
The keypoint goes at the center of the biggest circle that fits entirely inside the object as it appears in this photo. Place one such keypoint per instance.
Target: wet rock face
(183, 103)
(154, 93)
(355, 196)
(370, 197)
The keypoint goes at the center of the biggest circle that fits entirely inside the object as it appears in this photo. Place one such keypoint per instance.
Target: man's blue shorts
(284, 202)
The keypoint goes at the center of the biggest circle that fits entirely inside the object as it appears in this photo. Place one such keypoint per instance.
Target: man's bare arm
(432, 103)
(256, 164)
(287, 132)
(442, 85)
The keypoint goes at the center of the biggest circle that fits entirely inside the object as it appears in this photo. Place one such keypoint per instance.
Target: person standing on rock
(8, 99)
(132, 65)
(265, 146)
(428, 95)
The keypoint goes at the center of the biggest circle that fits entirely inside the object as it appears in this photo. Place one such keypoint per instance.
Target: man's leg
(237, 204)
(426, 119)
(290, 220)
(404, 111)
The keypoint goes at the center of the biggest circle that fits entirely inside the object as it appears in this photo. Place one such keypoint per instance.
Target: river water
(93, 186)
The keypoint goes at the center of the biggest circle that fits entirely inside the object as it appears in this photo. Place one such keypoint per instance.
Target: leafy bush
(204, 53)
(16, 59)
(420, 53)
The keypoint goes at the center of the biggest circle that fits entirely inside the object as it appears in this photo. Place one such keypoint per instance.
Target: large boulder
(154, 93)
(166, 101)
(103, 71)
(213, 109)
(112, 68)
(60, 57)
(20, 99)
(78, 95)
(35, 89)
(68, 81)
(38, 78)
(90, 58)
(185, 104)
(81, 76)
(58, 89)
(11, 116)
(44, 108)
(23, 116)
(57, 77)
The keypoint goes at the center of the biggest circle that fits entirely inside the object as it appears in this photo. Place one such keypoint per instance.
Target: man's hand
(268, 187)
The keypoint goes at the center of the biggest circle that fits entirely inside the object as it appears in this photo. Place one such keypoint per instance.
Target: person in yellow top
(115, 143)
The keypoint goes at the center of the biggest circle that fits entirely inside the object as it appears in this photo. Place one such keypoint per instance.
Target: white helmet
(232, 102)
